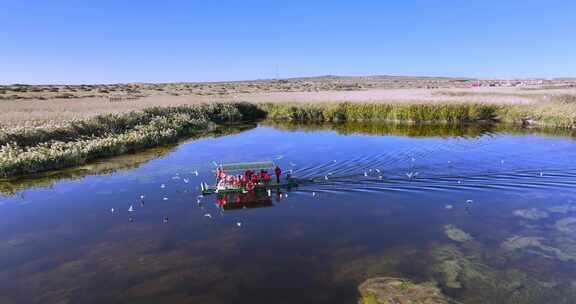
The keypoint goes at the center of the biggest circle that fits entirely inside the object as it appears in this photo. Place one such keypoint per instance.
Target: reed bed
(415, 113)
(110, 165)
(25, 151)
(101, 125)
(29, 150)
(559, 111)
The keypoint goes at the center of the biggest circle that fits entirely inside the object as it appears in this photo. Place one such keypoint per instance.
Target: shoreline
(37, 112)
(25, 151)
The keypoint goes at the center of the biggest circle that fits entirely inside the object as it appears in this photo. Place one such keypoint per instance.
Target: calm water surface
(489, 215)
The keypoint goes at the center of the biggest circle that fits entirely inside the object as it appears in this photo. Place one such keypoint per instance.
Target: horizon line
(301, 77)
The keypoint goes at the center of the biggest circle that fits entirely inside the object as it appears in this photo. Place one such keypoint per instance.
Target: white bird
(195, 172)
(162, 186)
(292, 164)
(334, 161)
(175, 177)
(459, 182)
(239, 224)
(286, 195)
(365, 173)
(469, 201)
(142, 196)
(186, 180)
(131, 209)
(412, 174)
(326, 177)
(164, 198)
(448, 207)
(208, 215)
(198, 201)
(378, 170)
(313, 193)
(112, 210)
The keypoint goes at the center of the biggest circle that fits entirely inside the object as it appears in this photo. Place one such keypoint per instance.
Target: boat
(286, 181)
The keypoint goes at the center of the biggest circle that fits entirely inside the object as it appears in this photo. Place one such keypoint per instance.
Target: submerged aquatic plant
(383, 290)
(566, 250)
(531, 214)
(457, 234)
(479, 282)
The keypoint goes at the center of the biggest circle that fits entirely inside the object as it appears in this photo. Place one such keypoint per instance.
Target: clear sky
(102, 41)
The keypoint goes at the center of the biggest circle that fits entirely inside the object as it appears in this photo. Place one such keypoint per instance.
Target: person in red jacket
(266, 177)
(220, 174)
(278, 172)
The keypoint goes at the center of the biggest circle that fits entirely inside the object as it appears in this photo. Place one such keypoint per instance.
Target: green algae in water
(477, 281)
(531, 214)
(386, 290)
(457, 234)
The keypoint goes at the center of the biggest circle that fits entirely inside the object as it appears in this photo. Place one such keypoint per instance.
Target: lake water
(488, 213)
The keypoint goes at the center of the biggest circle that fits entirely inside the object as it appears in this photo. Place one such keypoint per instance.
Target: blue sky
(163, 41)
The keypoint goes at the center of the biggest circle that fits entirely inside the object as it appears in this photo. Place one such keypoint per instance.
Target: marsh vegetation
(558, 112)
(30, 150)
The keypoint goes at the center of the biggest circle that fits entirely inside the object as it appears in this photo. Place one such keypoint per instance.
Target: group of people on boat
(248, 180)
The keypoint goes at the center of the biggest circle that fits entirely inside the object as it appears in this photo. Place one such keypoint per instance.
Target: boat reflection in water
(258, 198)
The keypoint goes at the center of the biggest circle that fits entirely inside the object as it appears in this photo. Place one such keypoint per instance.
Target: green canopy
(248, 166)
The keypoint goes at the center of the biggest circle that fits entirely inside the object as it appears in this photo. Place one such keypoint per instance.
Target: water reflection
(420, 130)
(506, 237)
(249, 200)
